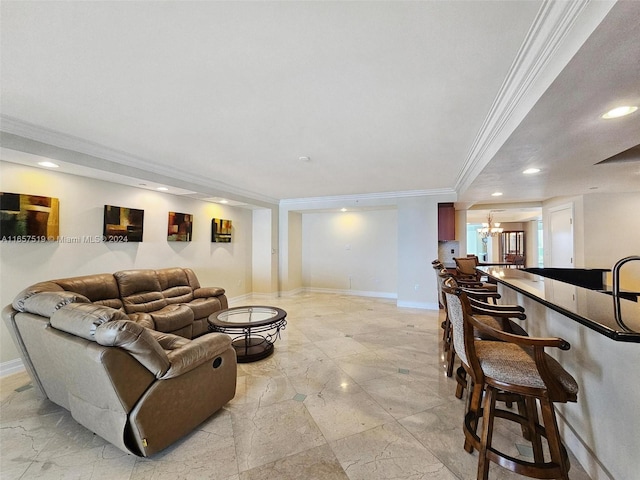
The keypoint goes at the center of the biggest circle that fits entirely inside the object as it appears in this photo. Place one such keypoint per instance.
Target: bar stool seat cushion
(512, 364)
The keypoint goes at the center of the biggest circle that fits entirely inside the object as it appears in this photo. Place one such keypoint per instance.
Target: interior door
(561, 237)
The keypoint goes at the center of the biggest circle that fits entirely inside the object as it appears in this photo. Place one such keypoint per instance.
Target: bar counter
(602, 427)
(615, 317)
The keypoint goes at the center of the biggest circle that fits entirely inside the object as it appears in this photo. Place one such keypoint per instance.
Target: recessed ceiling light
(224, 201)
(343, 209)
(162, 189)
(304, 159)
(530, 171)
(496, 194)
(620, 112)
(48, 164)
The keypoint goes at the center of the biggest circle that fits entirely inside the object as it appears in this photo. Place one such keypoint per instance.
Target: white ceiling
(222, 98)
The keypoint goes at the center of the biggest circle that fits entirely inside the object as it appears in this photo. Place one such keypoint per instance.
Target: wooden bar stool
(497, 316)
(519, 366)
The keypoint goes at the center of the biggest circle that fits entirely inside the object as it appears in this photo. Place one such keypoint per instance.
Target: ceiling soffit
(550, 44)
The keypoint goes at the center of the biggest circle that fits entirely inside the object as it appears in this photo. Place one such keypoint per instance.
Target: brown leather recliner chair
(137, 388)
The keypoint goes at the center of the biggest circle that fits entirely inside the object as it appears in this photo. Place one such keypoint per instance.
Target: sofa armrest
(137, 341)
(198, 351)
(46, 304)
(206, 292)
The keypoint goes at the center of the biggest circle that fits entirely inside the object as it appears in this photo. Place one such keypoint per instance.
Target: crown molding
(25, 130)
(544, 52)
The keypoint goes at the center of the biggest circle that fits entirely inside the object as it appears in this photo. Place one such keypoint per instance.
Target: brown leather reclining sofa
(128, 354)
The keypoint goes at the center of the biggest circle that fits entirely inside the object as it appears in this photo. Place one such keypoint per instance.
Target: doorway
(512, 247)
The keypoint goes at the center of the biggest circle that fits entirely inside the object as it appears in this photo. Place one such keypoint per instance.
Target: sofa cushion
(143, 319)
(168, 341)
(175, 285)
(46, 303)
(82, 319)
(101, 288)
(140, 290)
(136, 340)
(203, 307)
(145, 302)
(172, 318)
(178, 294)
(193, 279)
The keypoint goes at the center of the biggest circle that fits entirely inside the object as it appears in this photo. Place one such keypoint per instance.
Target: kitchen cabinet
(446, 222)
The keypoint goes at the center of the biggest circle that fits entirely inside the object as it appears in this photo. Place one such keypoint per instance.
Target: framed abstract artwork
(122, 224)
(220, 230)
(180, 227)
(28, 218)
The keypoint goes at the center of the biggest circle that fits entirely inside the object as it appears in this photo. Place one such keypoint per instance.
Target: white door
(561, 237)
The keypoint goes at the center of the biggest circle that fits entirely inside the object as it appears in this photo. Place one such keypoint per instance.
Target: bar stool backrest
(463, 338)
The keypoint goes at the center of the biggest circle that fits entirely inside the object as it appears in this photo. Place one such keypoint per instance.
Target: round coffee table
(257, 327)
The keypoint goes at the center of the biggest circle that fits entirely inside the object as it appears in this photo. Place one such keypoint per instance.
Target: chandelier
(489, 229)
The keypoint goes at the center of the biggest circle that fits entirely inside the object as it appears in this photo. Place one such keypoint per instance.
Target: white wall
(612, 231)
(294, 270)
(352, 252)
(417, 248)
(261, 251)
(531, 243)
(606, 228)
(82, 201)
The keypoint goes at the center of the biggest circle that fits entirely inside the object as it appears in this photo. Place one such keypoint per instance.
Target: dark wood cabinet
(446, 222)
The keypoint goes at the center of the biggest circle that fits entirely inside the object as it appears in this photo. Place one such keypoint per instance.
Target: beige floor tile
(264, 434)
(263, 390)
(402, 395)
(355, 389)
(340, 416)
(321, 378)
(317, 463)
(200, 455)
(367, 365)
(385, 452)
(340, 347)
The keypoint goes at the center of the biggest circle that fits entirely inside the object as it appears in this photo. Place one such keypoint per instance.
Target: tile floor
(355, 390)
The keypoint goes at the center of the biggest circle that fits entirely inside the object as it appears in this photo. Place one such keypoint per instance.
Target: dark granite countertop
(615, 317)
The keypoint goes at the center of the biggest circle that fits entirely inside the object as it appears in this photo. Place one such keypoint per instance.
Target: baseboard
(335, 291)
(420, 305)
(290, 293)
(11, 367)
(355, 293)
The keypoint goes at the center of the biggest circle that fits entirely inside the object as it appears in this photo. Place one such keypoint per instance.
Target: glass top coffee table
(255, 329)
